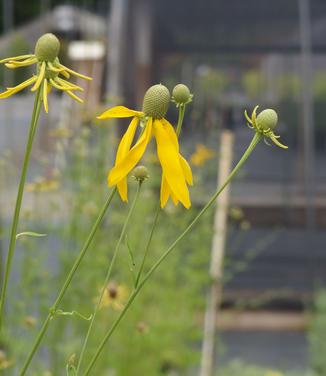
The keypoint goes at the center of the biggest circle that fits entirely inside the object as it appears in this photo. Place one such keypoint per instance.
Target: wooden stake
(217, 256)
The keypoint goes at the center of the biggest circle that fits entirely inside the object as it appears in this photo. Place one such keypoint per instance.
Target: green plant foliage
(317, 334)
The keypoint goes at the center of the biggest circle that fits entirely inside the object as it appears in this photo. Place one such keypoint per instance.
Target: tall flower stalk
(109, 270)
(48, 71)
(55, 306)
(263, 125)
(19, 198)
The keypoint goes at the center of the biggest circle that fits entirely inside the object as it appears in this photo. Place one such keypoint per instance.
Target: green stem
(182, 109)
(147, 246)
(66, 284)
(245, 156)
(19, 198)
(108, 276)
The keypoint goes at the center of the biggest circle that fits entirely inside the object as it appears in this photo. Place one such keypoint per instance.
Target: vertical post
(116, 47)
(143, 34)
(307, 108)
(217, 256)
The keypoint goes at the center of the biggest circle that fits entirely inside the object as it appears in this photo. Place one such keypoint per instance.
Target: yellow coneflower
(114, 296)
(48, 71)
(201, 155)
(176, 172)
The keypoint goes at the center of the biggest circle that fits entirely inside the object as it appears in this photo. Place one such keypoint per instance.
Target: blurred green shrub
(317, 334)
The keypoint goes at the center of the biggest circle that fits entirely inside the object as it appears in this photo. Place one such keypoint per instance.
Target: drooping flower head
(265, 123)
(48, 70)
(176, 173)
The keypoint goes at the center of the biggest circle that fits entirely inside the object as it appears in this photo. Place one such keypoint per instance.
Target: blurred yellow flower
(115, 296)
(201, 155)
(43, 185)
(48, 70)
(61, 132)
(4, 362)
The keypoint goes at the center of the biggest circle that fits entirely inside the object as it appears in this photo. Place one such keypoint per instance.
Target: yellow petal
(40, 77)
(68, 84)
(134, 155)
(15, 58)
(122, 151)
(119, 112)
(123, 189)
(13, 90)
(74, 96)
(126, 141)
(171, 132)
(75, 73)
(186, 170)
(24, 63)
(174, 139)
(165, 192)
(170, 162)
(45, 96)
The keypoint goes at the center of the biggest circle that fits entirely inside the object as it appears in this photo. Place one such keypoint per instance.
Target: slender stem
(182, 109)
(19, 198)
(245, 156)
(147, 246)
(108, 276)
(66, 284)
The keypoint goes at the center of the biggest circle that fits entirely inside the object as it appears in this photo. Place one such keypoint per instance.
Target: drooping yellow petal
(169, 158)
(122, 151)
(69, 85)
(174, 139)
(13, 90)
(165, 192)
(53, 68)
(18, 64)
(134, 155)
(74, 96)
(57, 85)
(119, 112)
(75, 73)
(171, 132)
(45, 96)
(40, 77)
(15, 58)
(186, 170)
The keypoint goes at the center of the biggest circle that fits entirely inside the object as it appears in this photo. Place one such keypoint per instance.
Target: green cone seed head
(47, 47)
(156, 101)
(181, 94)
(267, 119)
(140, 173)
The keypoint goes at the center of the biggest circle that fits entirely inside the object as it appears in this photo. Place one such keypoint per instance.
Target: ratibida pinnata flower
(48, 71)
(176, 172)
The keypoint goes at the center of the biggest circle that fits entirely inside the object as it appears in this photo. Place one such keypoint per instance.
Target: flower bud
(47, 47)
(267, 119)
(140, 173)
(181, 94)
(156, 101)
